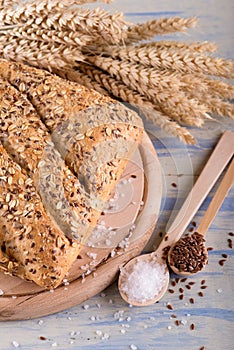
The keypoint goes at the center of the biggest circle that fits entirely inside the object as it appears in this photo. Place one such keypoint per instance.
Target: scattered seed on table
(200, 294)
(231, 234)
(171, 291)
(181, 296)
(191, 300)
(174, 184)
(194, 223)
(184, 279)
(177, 322)
(192, 327)
(229, 243)
(210, 248)
(203, 281)
(42, 337)
(181, 290)
(187, 286)
(224, 256)
(169, 306)
(173, 283)
(202, 348)
(203, 287)
(191, 283)
(221, 262)
(191, 229)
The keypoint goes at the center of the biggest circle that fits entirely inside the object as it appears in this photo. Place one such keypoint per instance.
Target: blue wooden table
(204, 316)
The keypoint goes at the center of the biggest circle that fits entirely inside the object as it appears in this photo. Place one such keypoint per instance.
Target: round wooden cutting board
(123, 230)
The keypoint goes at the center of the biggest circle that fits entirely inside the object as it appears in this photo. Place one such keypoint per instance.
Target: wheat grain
(8, 3)
(160, 26)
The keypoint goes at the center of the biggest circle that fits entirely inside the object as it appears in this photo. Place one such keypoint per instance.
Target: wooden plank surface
(105, 321)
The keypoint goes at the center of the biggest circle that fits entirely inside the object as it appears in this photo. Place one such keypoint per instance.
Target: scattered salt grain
(123, 331)
(99, 333)
(105, 336)
(133, 347)
(1, 292)
(219, 290)
(144, 281)
(15, 344)
(85, 307)
(40, 322)
(169, 327)
(183, 322)
(54, 344)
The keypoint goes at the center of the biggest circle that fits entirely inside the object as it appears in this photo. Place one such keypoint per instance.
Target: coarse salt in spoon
(189, 255)
(144, 279)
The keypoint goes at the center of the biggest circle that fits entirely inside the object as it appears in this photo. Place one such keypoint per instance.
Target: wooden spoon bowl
(183, 249)
(128, 268)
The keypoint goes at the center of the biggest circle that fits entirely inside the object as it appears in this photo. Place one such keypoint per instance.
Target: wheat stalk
(160, 26)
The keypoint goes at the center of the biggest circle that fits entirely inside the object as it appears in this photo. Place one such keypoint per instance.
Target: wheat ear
(160, 26)
(34, 33)
(120, 90)
(38, 54)
(180, 59)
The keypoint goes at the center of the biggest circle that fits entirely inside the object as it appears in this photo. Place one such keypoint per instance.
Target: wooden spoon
(187, 252)
(217, 162)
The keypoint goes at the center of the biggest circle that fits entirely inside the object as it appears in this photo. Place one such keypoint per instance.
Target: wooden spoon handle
(209, 175)
(217, 200)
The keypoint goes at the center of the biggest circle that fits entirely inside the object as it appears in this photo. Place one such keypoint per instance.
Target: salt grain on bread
(106, 134)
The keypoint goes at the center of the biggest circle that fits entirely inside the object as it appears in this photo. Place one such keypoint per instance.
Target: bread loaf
(64, 124)
(80, 121)
(31, 245)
